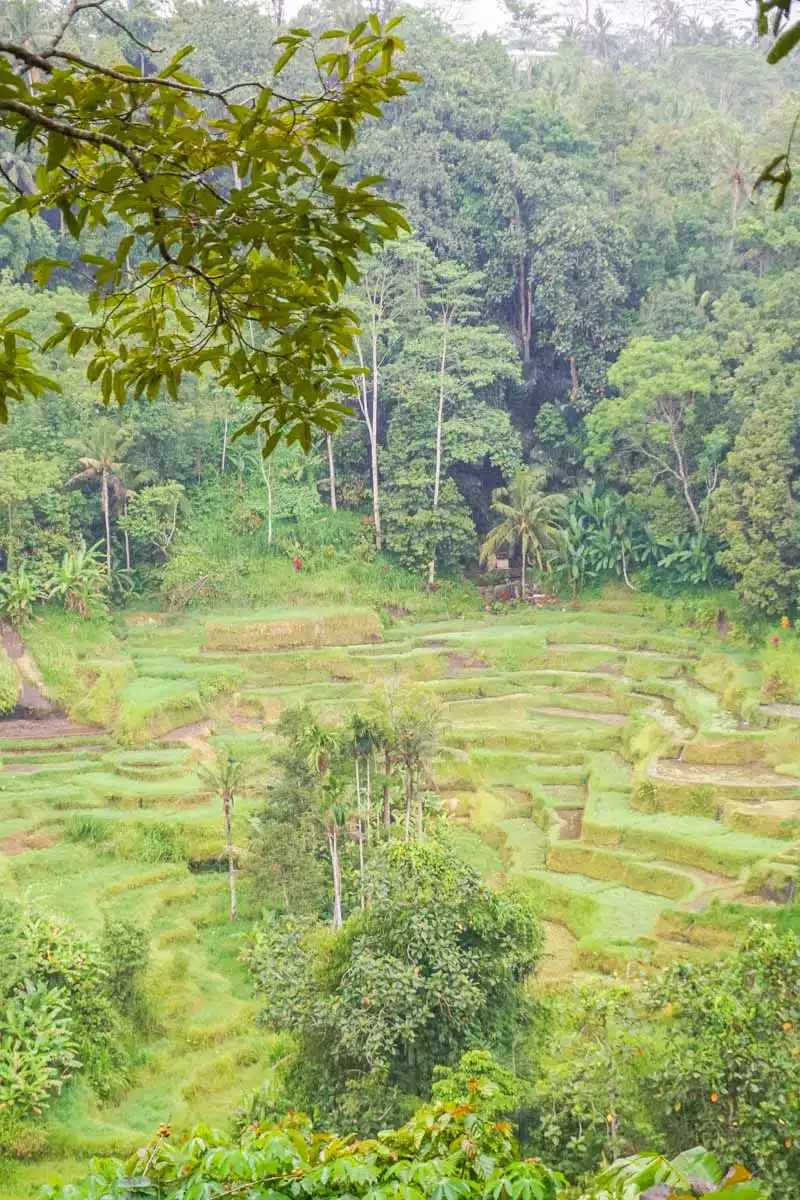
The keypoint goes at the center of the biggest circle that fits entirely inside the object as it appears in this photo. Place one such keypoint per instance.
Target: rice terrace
(630, 777)
(399, 600)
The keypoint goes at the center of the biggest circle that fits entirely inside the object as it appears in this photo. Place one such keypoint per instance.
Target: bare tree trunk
(358, 784)
(266, 475)
(369, 408)
(369, 797)
(409, 800)
(331, 473)
(333, 848)
(573, 374)
(107, 518)
(420, 829)
(224, 440)
(361, 863)
(127, 539)
(524, 557)
(625, 567)
(227, 805)
(387, 799)
(437, 476)
(525, 306)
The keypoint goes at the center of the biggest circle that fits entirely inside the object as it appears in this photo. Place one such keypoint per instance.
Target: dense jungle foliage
(590, 289)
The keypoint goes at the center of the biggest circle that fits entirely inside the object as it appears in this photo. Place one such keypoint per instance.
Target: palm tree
(531, 518)
(102, 461)
(415, 724)
(322, 747)
(224, 779)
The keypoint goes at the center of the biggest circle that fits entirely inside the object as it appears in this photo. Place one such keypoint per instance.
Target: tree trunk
(369, 408)
(369, 798)
(224, 441)
(525, 307)
(333, 848)
(574, 380)
(227, 806)
(127, 540)
(361, 863)
(331, 473)
(358, 784)
(409, 801)
(107, 518)
(387, 799)
(420, 829)
(524, 557)
(437, 476)
(266, 475)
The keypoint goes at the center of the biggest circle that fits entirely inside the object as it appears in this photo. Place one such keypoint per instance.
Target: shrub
(57, 1016)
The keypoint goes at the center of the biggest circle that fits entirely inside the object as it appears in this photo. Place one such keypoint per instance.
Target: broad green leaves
(238, 232)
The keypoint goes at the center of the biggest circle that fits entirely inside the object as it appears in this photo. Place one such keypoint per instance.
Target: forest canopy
(591, 290)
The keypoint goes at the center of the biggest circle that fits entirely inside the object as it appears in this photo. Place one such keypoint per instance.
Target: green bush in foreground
(454, 1150)
(62, 999)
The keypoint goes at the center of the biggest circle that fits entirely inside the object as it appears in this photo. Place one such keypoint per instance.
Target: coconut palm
(103, 463)
(225, 779)
(531, 519)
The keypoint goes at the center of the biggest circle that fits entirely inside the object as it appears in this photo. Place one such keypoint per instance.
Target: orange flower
(787, 1025)
(788, 1143)
(786, 623)
(668, 1008)
(714, 1097)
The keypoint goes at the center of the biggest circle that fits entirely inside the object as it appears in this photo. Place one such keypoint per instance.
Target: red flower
(297, 563)
(776, 641)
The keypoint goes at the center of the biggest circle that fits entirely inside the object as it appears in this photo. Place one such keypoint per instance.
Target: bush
(730, 1073)
(434, 966)
(57, 1014)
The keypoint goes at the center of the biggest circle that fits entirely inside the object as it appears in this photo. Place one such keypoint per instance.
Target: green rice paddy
(594, 758)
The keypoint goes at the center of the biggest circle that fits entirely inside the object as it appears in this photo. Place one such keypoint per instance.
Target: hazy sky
(477, 15)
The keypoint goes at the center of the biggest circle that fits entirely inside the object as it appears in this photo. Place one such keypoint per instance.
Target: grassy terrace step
(693, 841)
(280, 631)
(639, 874)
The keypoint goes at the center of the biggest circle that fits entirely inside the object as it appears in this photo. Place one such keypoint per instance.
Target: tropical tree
(24, 479)
(102, 460)
(79, 580)
(531, 519)
(225, 779)
(19, 591)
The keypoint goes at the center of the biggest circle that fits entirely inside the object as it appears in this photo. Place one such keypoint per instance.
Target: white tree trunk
(331, 473)
(368, 403)
(437, 476)
(361, 863)
(333, 848)
(226, 808)
(107, 519)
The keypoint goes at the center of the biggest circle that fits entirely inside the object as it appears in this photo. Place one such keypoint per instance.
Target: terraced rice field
(584, 758)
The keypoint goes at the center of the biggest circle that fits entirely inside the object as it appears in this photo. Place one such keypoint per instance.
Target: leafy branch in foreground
(238, 232)
(462, 1149)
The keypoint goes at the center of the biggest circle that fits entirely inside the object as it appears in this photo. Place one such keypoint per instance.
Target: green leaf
(785, 43)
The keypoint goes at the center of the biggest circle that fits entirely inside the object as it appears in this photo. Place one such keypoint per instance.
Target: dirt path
(570, 822)
(36, 717)
(34, 698)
